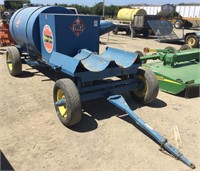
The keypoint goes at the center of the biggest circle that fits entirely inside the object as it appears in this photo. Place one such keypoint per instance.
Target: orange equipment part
(5, 37)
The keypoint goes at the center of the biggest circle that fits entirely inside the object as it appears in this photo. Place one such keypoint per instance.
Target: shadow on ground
(100, 109)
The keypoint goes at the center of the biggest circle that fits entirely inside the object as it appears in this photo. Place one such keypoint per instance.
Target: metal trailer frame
(165, 33)
(99, 67)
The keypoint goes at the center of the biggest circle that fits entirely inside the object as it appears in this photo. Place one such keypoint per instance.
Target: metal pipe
(103, 8)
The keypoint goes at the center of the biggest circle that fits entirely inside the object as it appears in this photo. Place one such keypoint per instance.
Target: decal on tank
(78, 27)
(48, 38)
(18, 21)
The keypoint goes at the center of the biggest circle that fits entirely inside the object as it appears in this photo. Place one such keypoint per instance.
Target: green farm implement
(176, 70)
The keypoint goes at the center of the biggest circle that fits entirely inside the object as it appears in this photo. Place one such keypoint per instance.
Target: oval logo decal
(48, 38)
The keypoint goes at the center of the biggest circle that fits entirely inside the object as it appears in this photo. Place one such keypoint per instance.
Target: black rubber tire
(146, 34)
(70, 92)
(192, 41)
(172, 49)
(178, 24)
(140, 54)
(148, 82)
(185, 47)
(13, 60)
(115, 31)
(128, 32)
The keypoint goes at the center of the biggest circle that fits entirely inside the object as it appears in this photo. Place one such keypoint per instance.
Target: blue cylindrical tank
(24, 26)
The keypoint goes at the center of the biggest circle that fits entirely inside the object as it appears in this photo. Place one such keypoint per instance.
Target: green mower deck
(177, 71)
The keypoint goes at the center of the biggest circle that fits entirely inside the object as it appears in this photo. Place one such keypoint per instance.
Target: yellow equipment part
(127, 14)
(62, 109)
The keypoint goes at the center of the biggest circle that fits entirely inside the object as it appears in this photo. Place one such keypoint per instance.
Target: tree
(98, 9)
(112, 11)
(13, 4)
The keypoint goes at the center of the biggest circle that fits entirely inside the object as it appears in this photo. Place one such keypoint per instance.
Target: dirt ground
(32, 137)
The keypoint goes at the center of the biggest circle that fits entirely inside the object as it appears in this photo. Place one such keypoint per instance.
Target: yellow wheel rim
(191, 41)
(141, 91)
(62, 109)
(9, 63)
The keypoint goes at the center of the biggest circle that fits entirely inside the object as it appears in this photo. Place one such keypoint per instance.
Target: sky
(110, 2)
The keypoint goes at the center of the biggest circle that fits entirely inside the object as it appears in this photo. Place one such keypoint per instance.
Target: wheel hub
(142, 86)
(191, 41)
(62, 108)
(9, 63)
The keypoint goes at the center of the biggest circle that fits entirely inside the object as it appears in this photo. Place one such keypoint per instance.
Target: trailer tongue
(119, 101)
